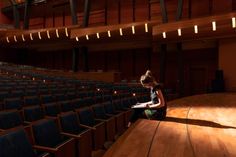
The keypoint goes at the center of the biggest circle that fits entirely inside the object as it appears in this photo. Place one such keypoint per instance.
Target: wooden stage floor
(196, 126)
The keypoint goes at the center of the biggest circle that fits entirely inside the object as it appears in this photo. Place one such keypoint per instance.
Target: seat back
(13, 103)
(16, 144)
(66, 106)
(86, 117)
(33, 113)
(32, 100)
(46, 133)
(46, 99)
(99, 111)
(51, 109)
(109, 109)
(9, 119)
(70, 123)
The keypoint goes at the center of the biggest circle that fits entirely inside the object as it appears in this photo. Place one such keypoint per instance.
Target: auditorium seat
(66, 106)
(17, 93)
(51, 109)
(109, 120)
(118, 105)
(70, 126)
(46, 99)
(32, 113)
(87, 119)
(15, 143)
(10, 119)
(31, 101)
(120, 116)
(13, 103)
(47, 138)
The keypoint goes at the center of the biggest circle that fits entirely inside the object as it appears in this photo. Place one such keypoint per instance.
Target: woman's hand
(148, 105)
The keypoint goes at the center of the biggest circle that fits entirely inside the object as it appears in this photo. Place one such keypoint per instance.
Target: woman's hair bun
(148, 73)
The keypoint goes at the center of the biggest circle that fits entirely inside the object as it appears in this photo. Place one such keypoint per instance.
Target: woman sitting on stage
(154, 109)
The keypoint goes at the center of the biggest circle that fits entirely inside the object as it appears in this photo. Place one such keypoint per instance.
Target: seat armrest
(70, 135)
(103, 120)
(45, 149)
(88, 127)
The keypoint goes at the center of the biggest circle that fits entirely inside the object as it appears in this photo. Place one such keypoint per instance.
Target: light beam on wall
(109, 33)
(133, 29)
(39, 34)
(213, 25)
(87, 37)
(15, 38)
(23, 37)
(164, 35)
(66, 31)
(233, 22)
(7, 38)
(31, 36)
(76, 38)
(57, 33)
(146, 27)
(98, 36)
(121, 32)
(48, 34)
(179, 32)
(195, 29)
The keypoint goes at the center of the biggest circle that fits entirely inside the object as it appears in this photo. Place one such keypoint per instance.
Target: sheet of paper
(140, 105)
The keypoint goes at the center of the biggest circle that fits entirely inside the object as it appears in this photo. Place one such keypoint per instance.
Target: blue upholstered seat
(70, 123)
(51, 109)
(16, 144)
(13, 103)
(33, 113)
(86, 117)
(46, 133)
(9, 119)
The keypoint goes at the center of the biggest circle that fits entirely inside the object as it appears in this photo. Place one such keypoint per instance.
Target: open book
(140, 105)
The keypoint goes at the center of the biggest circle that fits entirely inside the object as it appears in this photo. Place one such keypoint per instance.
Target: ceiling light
(109, 33)
(133, 29)
(48, 34)
(164, 35)
(179, 32)
(146, 27)
(195, 29)
(233, 22)
(213, 25)
(121, 32)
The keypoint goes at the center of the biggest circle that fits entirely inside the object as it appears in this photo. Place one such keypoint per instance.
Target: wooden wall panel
(49, 22)
(141, 10)
(96, 61)
(36, 23)
(200, 8)
(113, 61)
(58, 21)
(141, 66)
(127, 65)
(68, 21)
(221, 6)
(112, 12)
(155, 11)
(171, 7)
(3, 18)
(126, 11)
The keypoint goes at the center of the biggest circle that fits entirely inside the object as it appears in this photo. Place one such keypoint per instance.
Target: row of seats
(88, 127)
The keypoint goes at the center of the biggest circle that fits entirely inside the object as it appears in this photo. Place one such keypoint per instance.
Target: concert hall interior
(72, 75)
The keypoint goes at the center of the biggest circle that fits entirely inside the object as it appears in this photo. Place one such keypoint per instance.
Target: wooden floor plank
(196, 126)
(135, 142)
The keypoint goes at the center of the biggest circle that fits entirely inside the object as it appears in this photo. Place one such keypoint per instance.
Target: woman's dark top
(158, 113)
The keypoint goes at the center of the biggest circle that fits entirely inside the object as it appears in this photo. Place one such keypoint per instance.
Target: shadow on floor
(198, 122)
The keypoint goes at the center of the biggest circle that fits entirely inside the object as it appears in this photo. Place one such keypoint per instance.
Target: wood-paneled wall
(131, 63)
(126, 11)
